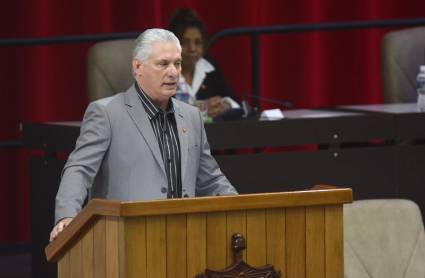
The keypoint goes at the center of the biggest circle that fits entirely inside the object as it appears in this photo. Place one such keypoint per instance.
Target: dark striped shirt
(165, 128)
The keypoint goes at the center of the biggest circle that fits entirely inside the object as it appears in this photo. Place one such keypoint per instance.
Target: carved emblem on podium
(240, 268)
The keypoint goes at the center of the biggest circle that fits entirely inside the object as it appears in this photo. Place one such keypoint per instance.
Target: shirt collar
(203, 66)
(151, 108)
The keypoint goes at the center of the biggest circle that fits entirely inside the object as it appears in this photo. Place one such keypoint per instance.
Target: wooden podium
(299, 233)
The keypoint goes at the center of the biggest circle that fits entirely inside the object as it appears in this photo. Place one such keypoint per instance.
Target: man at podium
(142, 143)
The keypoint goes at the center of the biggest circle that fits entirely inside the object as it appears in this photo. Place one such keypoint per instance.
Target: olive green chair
(109, 68)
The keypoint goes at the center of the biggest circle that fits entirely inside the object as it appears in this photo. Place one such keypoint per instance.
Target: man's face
(159, 76)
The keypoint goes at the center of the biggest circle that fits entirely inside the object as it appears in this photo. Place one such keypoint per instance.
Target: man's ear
(137, 67)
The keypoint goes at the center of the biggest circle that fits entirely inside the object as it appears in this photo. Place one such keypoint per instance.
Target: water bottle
(420, 88)
(182, 93)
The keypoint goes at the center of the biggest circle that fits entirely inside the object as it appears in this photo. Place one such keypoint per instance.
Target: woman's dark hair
(185, 18)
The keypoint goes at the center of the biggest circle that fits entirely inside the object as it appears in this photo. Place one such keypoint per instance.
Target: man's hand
(217, 105)
(59, 227)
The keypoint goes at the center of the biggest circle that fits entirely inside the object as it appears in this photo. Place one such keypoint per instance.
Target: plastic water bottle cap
(422, 68)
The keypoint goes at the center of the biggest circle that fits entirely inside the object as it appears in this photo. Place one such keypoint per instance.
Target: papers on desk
(271, 115)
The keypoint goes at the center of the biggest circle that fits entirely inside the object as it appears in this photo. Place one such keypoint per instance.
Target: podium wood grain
(217, 240)
(135, 243)
(196, 243)
(315, 245)
(334, 241)
(156, 249)
(99, 248)
(300, 233)
(112, 247)
(295, 242)
(256, 237)
(64, 266)
(276, 247)
(87, 254)
(176, 246)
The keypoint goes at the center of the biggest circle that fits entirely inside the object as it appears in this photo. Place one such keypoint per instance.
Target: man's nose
(173, 70)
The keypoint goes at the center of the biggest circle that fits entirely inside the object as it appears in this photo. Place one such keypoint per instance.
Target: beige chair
(109, 68)
(402, 52)
(383, 239)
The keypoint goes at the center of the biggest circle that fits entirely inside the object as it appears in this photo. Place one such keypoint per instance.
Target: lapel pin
(184, 130)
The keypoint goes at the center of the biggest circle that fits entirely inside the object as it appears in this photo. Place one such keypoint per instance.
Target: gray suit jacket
(118, 148)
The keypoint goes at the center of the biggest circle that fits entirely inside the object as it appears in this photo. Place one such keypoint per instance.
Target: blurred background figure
(201, 79)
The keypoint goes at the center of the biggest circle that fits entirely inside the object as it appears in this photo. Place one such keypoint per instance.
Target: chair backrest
(402, 52)
(109, 68)
(383, 238)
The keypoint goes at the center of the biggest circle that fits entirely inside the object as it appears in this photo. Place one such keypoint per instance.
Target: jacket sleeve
(84, 162)
(210, 179)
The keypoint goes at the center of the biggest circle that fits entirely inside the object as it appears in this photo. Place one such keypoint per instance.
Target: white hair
(143, 44)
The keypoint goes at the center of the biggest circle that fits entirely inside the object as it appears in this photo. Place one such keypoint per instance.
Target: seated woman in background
(202, 79)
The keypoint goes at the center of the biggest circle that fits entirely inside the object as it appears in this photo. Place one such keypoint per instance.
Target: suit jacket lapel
(183, 137)
(138, 114)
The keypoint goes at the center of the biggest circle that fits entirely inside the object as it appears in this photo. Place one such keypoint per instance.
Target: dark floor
(15, 265)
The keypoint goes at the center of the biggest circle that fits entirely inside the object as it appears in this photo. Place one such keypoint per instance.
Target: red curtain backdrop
(48, 83)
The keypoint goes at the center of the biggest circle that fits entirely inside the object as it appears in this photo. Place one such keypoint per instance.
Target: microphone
(246, 111)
